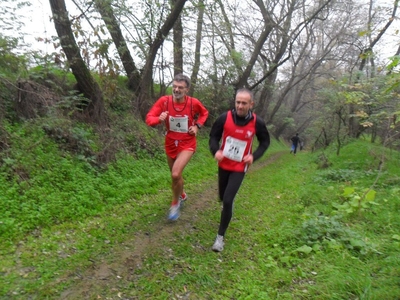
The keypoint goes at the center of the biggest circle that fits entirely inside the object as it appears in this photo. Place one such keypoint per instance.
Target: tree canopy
(301, 59)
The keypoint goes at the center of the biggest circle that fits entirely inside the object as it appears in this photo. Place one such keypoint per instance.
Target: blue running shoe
(174, 212)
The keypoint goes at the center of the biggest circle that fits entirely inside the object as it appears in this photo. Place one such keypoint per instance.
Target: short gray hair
(247, 91)
(181, 77)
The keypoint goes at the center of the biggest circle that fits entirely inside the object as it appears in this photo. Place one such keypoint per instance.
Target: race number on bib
(178, 124)
(234, 149)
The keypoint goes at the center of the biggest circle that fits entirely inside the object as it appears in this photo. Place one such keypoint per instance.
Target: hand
(163, 116)
(219, 155)
(248, 159)
(193, 130)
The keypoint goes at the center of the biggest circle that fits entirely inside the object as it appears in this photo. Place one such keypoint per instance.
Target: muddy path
(107, 272)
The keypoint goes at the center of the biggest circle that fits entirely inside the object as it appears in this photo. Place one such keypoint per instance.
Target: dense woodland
(84, 186)
(317, 68)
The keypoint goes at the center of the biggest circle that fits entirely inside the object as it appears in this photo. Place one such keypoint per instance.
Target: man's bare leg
(177, 166)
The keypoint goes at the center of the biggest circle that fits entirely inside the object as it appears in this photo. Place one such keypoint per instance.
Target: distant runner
(295, 143)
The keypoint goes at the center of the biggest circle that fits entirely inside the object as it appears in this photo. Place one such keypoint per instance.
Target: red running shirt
(237, 142)
(180, 116)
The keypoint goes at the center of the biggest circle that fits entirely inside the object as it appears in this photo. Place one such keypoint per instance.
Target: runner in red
(231, 142)
(183, 117)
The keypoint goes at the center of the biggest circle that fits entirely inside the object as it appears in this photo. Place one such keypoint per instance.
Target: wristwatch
(198, 125)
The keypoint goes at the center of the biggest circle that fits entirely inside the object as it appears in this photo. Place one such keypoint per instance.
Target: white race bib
(179, 124)
(234, 149)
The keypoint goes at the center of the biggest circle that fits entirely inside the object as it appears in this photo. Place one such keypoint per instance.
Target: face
(243, 104)
(179, 89)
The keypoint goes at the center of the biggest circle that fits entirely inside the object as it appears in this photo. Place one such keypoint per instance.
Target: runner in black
(231, 141)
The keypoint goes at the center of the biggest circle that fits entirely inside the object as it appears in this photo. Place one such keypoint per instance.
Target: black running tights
(228, 185)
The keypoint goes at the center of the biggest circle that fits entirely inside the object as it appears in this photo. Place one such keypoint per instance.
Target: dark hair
(245, 90)
(181, 77)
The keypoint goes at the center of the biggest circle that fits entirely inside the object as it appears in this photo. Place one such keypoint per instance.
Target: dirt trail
(105, 274)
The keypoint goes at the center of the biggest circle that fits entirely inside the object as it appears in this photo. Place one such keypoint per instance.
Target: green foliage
(11, 64)
(369, 103)
(237, 58)
(51, 177)
(353, 97)
(355, 201)
(217, 98)
(53, 77)
(393, 80)
(321, 233)
(342, 175)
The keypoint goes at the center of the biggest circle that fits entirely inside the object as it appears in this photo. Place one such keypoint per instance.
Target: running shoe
(183, 197)
(218, 244)
(174, 212)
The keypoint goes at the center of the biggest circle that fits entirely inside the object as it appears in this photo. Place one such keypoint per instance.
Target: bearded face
(179, 90)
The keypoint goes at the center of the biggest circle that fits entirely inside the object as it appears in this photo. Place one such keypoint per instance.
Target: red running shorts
(173, 147)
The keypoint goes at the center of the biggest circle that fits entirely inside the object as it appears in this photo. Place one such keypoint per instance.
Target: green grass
(286, 240)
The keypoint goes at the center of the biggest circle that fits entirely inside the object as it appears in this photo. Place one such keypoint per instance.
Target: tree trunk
(143, 101)
(178, 46)
(199, 30)
(94, 109)
(107, 14)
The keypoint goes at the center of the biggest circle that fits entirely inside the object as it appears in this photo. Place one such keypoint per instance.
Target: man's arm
(216, 133)
(262, 137)
(153, 116)
(202, 111)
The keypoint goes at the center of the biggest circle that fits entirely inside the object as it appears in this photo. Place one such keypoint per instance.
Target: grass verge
(296, 234)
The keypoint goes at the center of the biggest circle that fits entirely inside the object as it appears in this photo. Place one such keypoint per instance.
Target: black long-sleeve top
(217, 130)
